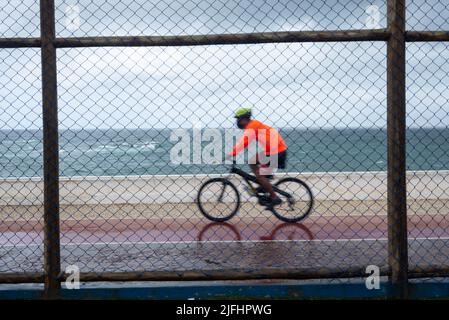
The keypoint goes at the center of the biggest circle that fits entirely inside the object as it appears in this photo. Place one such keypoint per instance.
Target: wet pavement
(320, 243)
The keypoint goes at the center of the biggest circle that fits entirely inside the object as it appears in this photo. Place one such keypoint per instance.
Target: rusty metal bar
(52, 265)
(397, 208)
(192, 275)
(22, 277)
(236, 38)
(294, 36)
(299, 36)
(429, 272)
(208, 275)
(20, 42)
(199, 275)
(427, 36)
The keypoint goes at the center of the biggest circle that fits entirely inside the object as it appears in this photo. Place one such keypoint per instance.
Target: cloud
(309, 84)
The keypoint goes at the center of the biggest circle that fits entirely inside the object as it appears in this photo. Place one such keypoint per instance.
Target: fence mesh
(427, 15)
(108, 91)
(126, 205)
(123, 18)
(427, 153)
(19, 19)
(20, 161)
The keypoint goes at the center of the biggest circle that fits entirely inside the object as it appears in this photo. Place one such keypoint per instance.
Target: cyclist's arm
(244, 141)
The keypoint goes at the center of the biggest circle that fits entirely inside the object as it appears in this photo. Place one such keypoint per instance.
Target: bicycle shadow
(225, 231)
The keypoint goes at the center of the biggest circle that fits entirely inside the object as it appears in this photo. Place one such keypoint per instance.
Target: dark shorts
(280, 162)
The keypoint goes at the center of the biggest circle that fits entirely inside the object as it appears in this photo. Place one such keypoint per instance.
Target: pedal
(264, 200)
(260, 190)
(250, 191)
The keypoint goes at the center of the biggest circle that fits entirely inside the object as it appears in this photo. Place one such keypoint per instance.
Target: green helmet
(242, 112)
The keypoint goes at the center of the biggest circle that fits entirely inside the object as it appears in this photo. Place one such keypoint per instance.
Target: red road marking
(239, 228)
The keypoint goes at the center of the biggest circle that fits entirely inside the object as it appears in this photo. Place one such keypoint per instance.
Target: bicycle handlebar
(232, 166)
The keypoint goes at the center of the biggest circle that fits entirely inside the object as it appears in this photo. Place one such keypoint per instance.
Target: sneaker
(268, 202)
(264, 200)
(260, 190)
(275, 202)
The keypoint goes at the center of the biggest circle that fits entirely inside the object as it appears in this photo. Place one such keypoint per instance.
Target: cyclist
(273, 156)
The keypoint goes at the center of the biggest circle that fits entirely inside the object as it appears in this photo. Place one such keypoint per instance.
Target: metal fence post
(52, 265)
(396, 130)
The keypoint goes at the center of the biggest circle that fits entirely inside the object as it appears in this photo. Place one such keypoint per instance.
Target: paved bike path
(319, 243)
(237, 229)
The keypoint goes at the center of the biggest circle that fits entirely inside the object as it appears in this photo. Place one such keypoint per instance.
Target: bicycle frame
(250, 178)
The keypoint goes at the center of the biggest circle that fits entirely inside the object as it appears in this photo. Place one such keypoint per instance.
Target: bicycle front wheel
(218, 199)
(297, 200)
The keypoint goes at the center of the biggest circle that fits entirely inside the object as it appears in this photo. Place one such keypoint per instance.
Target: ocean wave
(123, 147)
(20, 141)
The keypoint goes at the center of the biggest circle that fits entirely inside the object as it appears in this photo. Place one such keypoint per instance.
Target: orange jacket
(267, 136)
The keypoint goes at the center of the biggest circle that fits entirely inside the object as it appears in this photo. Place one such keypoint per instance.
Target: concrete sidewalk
(347, 186)
(189, 210)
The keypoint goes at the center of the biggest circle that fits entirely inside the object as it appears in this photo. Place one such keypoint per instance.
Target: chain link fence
(427, 153)
(161, 88)
(130, 74)
(21, 157)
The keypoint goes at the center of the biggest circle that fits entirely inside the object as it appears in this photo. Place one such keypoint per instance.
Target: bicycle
(296, 196)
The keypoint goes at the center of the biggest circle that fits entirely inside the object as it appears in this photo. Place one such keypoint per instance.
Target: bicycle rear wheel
(218, 199)
(299, 202)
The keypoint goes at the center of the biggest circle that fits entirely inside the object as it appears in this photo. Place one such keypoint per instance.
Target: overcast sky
(289, 85)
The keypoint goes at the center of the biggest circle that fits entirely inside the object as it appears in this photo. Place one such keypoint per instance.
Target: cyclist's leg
(262, 179)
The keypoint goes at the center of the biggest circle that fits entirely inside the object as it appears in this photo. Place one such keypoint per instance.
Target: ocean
(129, 152)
